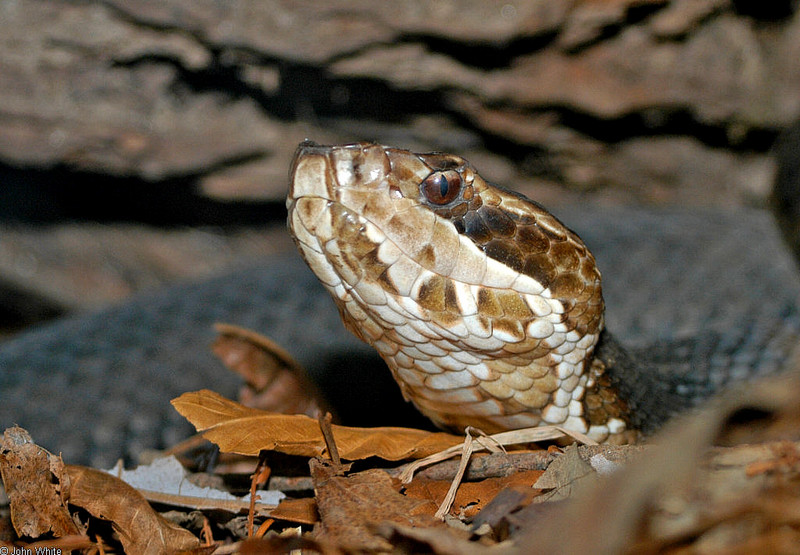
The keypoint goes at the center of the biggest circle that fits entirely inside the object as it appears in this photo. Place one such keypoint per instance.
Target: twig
(260, 476)
(327, 433)
(466, 452)
(513, 437)
(264, 527)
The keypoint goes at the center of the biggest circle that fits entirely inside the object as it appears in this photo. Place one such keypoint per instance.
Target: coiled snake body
(485, 307)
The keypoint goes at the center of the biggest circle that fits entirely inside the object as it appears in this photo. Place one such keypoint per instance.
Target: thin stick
(466, 452)
(327, 433)
(260, 476)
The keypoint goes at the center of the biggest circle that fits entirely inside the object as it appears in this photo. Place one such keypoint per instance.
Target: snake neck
(629, 389)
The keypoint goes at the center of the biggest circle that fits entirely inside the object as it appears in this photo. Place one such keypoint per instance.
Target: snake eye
(442, 187)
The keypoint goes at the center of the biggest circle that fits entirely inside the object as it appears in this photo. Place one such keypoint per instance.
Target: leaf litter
(400, 491)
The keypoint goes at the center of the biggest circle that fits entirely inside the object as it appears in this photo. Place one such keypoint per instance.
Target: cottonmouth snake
(687, 290)
(485, 307)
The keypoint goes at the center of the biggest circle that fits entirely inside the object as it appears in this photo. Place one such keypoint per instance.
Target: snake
(486, 308)
(699, 297)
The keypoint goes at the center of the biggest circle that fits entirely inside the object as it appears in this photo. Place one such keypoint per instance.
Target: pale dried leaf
(564, 475)
(166, 481)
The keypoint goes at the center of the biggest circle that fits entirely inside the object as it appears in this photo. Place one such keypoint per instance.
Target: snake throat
(485, 307)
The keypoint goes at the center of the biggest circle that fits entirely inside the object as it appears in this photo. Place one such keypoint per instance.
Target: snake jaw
(484, 306)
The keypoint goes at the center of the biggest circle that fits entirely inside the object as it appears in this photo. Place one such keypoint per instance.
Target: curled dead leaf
(274, 380)
(140, 528)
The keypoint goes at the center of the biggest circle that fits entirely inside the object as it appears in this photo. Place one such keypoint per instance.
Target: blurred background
(143, 142)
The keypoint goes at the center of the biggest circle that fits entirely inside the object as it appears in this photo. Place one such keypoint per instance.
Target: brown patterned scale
(485, 307)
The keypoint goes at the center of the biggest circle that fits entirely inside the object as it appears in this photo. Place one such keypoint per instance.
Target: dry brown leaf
(497, 513)
(301, 511)
(350, 507)
(274, 380)
(37, 487)
(246, 431)
(443, 540)
(472, 496)
(140, 528)
(564, 475)
(278, 545)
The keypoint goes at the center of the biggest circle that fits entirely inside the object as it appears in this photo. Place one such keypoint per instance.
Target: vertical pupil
(443, 186)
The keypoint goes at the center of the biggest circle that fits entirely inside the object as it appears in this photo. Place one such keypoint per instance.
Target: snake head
(485, 307)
